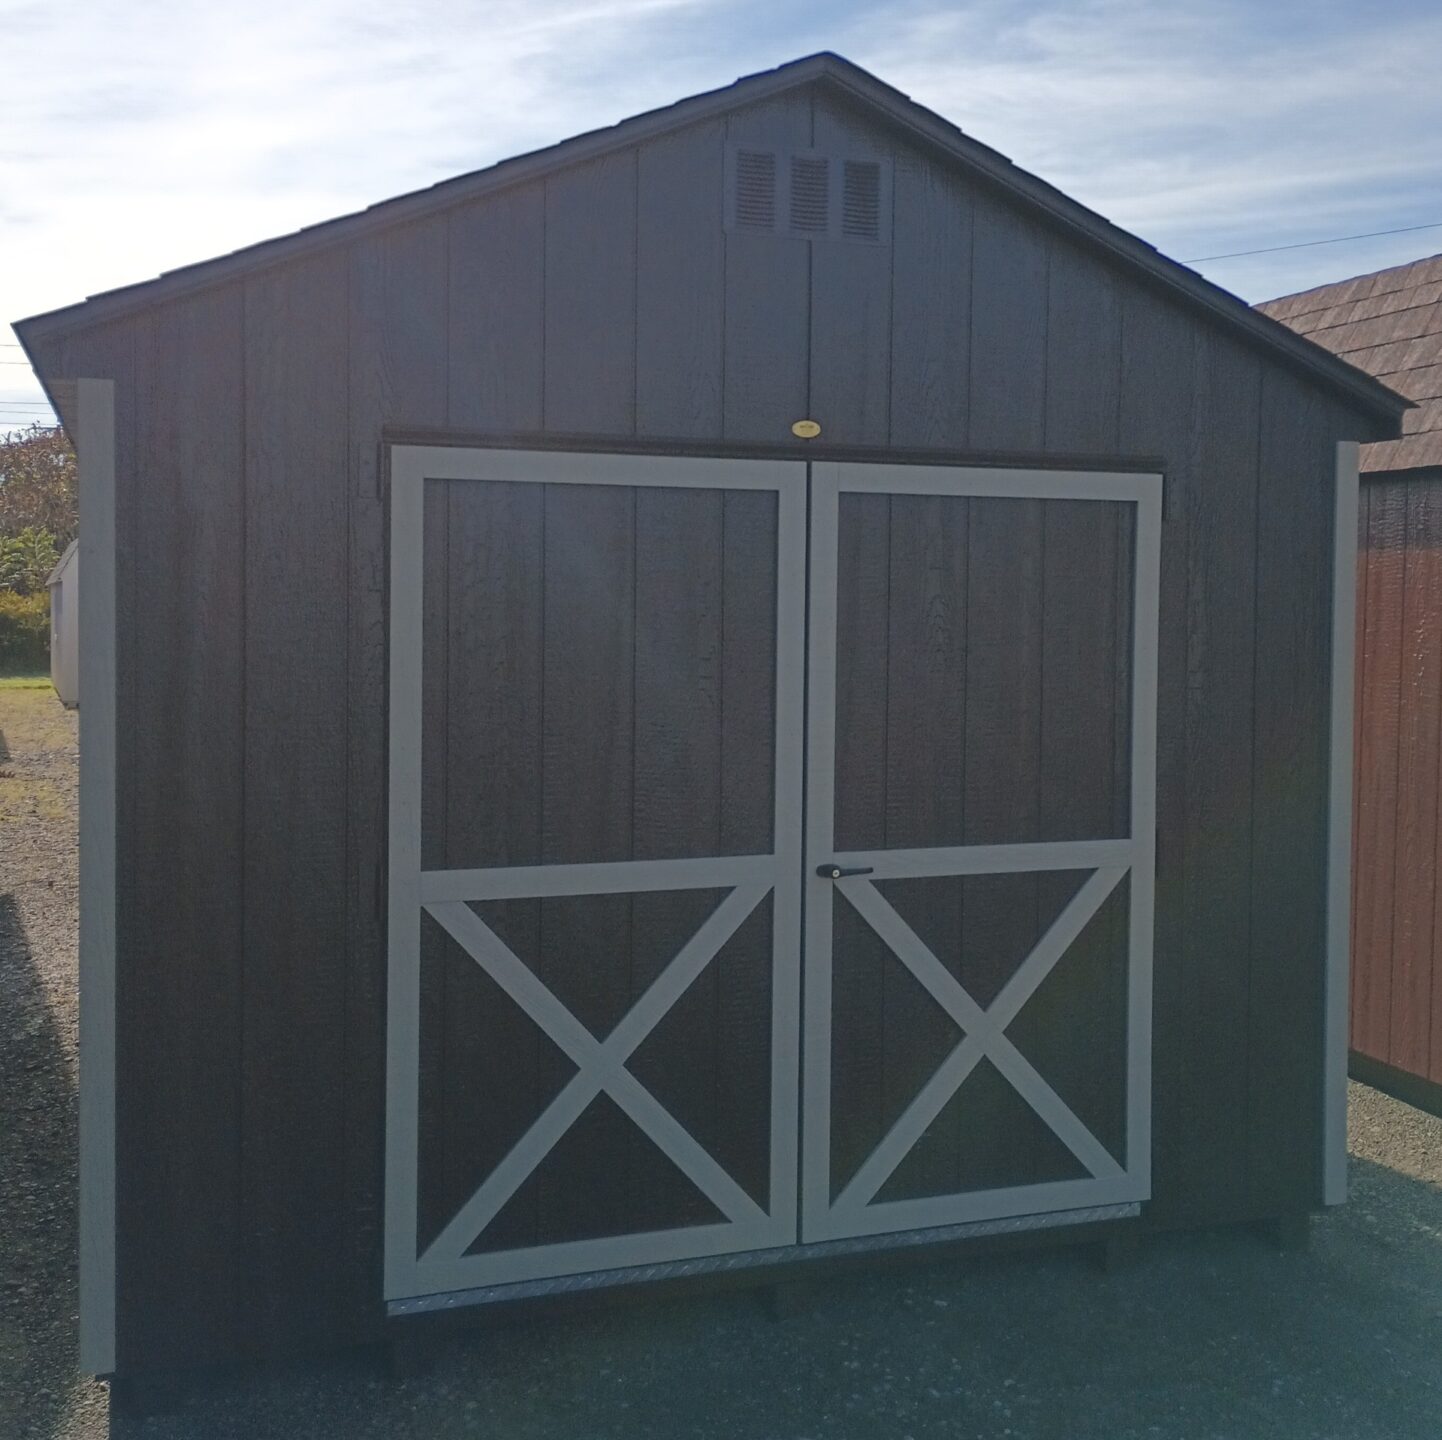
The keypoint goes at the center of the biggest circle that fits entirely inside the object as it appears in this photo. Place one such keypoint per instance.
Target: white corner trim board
(1339, 829)
(95, 442)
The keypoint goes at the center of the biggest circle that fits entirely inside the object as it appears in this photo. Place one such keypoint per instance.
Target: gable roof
(66, 556)
(918, 124)
(1389, 324)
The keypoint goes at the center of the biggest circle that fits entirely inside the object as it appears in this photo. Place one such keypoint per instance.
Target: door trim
(825, 1219)
(444, 1266)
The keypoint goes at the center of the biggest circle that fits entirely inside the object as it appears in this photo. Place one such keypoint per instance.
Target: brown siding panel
(1083, 354)
(296, 595)
(183, 986)
(1396, 997)
(850, 304)
(590, 298)
(1007, 369)
(397, 333)
(680, 283)
(1417, 775)
(496, 346)
(931, 304)
(1292, 760)
(1379, 674)
(767, 379)
(1221, 642)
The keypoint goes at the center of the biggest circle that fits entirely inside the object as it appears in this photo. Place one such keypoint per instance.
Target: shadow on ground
(1208, 1334)
(37, 1196)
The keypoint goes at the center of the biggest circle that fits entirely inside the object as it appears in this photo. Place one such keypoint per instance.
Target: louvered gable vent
(806, 196)
(861, 200)
(810, 195)
(755, 190)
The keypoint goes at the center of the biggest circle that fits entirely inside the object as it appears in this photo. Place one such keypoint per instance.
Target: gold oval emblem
(806, 429)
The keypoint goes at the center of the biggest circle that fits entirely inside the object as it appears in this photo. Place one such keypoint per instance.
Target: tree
(26, 561)
(38, 483)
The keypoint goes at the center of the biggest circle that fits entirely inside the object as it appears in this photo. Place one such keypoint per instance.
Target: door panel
(598, 1057)
(605, 912)
(975, 1000)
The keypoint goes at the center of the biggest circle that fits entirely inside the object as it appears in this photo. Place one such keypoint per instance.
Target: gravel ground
(1206, 1335)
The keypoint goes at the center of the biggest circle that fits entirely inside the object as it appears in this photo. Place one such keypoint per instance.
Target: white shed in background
(64, 586)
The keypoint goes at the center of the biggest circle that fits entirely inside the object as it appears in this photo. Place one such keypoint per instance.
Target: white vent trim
(808, 195)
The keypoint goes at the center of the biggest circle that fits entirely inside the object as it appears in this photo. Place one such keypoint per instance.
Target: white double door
(754, 880)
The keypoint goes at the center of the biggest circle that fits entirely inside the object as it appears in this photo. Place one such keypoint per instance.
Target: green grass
(24, 682)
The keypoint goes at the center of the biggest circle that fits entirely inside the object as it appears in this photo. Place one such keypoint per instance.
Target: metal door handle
(840, 872)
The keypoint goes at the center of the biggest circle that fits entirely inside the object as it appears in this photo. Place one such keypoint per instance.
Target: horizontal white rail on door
(619, 877)
(989, 859)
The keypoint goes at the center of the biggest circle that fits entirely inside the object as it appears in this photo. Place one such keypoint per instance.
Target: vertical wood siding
(680, 284)
(1396, 990)
(293, 1006)
(184, 834)
(766, 359)
(850, 306)
(1291, 768)
(398, 333)
(608, 299)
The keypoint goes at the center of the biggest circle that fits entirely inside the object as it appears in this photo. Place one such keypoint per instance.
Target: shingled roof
(1389, 324)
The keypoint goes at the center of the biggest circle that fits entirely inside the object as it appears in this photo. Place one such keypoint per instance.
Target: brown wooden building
(1390, 324)
(559, 826)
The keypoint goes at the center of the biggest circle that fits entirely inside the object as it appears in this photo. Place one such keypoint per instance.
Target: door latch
(840, 872)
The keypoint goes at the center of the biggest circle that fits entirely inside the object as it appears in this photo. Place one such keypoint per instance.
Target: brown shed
(1390, 325)
(753, 688)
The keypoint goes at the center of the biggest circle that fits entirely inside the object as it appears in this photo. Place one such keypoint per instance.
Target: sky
(139, 135)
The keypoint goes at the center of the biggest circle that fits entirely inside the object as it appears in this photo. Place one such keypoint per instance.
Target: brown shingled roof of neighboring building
(1389, 324)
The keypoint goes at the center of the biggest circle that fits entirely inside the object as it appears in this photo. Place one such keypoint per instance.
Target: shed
(755, 688)
(64, 587)
(1389, 324)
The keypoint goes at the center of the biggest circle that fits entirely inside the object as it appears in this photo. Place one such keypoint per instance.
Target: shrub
(24, 631)
(26, 560)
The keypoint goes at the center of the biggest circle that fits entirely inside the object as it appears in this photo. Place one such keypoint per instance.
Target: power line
(1307, 244)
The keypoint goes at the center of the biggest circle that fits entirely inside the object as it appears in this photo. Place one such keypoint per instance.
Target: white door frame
(444, 1266)
(854, 1211)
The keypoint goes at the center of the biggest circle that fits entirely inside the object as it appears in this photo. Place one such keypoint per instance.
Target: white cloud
(139, 137)
(1203, 129)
